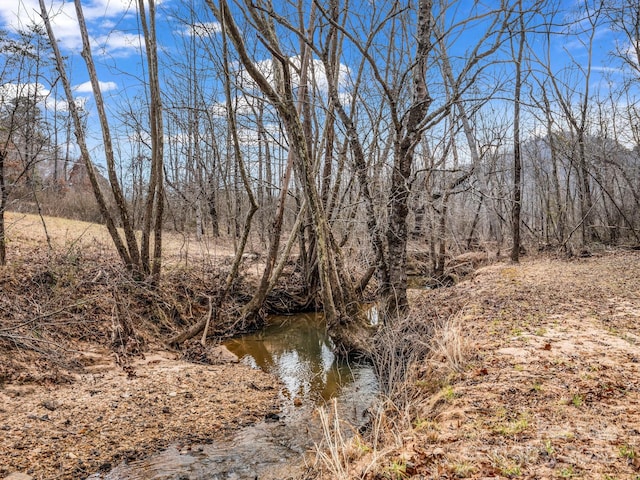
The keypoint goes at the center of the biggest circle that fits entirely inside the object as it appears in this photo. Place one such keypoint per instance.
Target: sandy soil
(549, 388)
(106, 414)
(85, 381)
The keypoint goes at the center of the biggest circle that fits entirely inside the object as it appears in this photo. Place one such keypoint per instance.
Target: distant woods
(336, 134)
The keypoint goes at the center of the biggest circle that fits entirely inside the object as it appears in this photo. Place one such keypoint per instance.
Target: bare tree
(517, 155)
(337, 292)
(135, 257)
(25, 137)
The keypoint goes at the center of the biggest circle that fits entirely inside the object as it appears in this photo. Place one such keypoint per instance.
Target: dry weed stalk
(333, 450)
(402, 351)
(399, 347)
(449, 344)
(338, 452)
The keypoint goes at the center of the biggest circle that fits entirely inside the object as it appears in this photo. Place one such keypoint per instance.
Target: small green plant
(511, 471)
(540, 331)
(627, 451)
(518, 368)
(577, 400)
(424, 424)
(548, 448)
(537, 387)
(508, 467)
(514, 427)
(463, 470)
(448, 393)
(396, 470)
(420, 424)
(360, 446)
(567, 472)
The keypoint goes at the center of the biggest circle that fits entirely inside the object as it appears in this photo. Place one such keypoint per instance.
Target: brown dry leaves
(71, 431)
(551, 388)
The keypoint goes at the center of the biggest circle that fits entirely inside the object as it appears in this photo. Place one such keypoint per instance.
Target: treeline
(341, 132)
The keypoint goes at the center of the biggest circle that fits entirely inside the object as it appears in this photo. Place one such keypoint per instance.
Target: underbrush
(52, 303)
(416, 358)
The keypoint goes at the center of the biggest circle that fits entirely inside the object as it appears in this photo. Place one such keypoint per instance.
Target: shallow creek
(298, 351)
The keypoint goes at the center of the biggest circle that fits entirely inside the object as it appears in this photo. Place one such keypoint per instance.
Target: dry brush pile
(54, 302)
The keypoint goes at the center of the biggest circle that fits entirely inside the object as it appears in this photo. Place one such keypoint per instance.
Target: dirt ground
(536, 373)
(85, 378)
(106, 414)
(548, 386)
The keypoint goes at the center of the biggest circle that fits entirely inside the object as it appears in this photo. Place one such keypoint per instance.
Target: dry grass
(403, 352)
(25, 231)
(334, 452)
(534, 372)
(72, 287)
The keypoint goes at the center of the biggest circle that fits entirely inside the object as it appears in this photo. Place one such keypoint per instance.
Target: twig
(48, 314)
(206, 325)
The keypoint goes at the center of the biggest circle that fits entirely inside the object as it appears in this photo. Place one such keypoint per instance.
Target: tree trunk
(337, 298)
(124, 254)
(394, 283)
(4, 194)
(517, 160)
(154, 210)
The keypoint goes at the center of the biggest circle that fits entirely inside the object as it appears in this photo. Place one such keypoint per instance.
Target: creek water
(298, 351)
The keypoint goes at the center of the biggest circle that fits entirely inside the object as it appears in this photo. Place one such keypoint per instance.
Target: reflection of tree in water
(298, 350)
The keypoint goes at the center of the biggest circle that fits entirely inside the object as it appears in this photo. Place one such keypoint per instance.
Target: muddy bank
(297, 350)
(106, 414)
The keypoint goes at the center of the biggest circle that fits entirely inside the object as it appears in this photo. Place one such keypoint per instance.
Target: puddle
(298, 351)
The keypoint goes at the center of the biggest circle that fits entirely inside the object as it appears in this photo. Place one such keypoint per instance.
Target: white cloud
(44, 99)
(317, 74)
(604, 69)
(104, 87)
(55, 105)
(11, 91)
(204, 29)
(245, 105)
(100, 15)
(629, 52)
(117, 44)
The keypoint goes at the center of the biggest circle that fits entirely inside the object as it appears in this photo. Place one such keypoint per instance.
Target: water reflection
(299, 352)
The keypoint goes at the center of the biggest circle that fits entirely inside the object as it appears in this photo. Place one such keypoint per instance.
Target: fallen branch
(206, 326)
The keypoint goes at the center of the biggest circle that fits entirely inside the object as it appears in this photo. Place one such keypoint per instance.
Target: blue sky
(112, 27)
(117, 44)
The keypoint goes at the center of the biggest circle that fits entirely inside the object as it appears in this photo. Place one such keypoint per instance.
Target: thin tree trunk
(394, 287)
(517, 159)
(4, 195)
(121, 205)
(80, 137)
(154, 209)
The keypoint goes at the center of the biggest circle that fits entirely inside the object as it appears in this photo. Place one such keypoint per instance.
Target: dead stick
(206, 325)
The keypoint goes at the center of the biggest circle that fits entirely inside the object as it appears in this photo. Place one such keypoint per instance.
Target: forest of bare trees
(337, 135)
